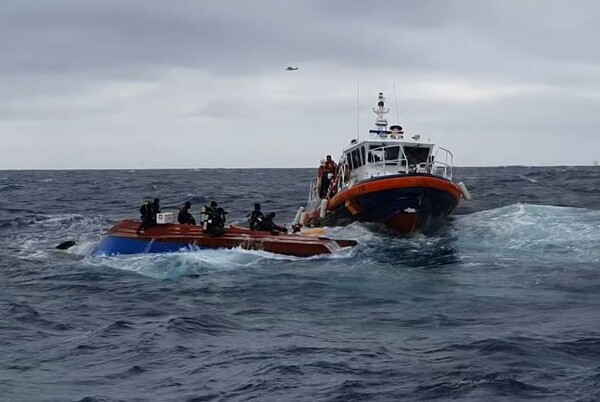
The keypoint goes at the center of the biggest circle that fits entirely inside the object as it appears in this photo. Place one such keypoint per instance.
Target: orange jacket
(330, 166)
(322, 171)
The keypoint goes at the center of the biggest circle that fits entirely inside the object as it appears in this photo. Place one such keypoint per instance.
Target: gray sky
(155, 84)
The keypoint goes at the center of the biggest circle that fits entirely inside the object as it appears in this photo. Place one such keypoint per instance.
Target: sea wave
(539, 232)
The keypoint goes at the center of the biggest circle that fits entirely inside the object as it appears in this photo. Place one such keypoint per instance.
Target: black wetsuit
(215, 220)
(148, 215)
(268, 225)
(256, 217)
(184, 217)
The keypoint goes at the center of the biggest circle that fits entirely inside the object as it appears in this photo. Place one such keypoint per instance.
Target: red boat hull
(126, 238)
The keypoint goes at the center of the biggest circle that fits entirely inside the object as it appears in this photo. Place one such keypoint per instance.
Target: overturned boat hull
(404, 203)
(126, 238)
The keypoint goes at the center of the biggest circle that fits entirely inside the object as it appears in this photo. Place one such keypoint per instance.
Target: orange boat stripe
(393, 183)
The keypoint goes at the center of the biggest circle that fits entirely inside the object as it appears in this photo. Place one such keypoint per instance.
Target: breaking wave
(537, 232)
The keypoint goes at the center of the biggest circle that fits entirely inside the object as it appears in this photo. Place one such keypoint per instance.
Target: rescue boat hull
(126, 238)
(406, 204)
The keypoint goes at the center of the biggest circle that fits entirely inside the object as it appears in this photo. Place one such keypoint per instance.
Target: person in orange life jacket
(329, 172)
(323, 183)
(330, 165)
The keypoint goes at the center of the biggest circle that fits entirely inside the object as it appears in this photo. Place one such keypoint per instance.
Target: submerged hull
(124, 238)
(403, 203)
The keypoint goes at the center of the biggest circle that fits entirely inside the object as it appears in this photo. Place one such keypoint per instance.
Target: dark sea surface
(500, 304)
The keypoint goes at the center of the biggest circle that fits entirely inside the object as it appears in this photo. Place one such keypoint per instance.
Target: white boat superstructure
(388, 152)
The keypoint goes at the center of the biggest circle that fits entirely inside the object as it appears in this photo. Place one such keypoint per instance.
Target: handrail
(376, 158)
(313, 190)
(446, 165)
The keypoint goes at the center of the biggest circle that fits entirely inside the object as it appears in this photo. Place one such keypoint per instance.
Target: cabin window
(349, 159)
(356, 162)
(364, 158)
(375, 153)
(392, 154)
(416, 155)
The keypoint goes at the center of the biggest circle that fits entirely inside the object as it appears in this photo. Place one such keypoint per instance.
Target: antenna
(396, 101)
(358, 108)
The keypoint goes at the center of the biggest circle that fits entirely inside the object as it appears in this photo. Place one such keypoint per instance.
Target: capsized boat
(126, 238)
(402, 182)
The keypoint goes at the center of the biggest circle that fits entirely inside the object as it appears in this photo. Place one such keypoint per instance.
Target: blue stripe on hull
(112, 245)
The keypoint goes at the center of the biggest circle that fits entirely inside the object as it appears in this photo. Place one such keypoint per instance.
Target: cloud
(120, 81)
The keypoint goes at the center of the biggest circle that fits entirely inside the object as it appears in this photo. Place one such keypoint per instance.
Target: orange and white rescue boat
(404, 183)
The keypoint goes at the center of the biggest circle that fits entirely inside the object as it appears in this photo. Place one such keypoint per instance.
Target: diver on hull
(214, 219)
(184, 217)
(268, 225)
(256, 217)
(148, 212)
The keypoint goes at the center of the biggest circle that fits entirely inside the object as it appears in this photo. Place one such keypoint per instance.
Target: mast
(380, 122)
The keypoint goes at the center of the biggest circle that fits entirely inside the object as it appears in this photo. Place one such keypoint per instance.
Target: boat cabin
(388, 152)
(391, 152)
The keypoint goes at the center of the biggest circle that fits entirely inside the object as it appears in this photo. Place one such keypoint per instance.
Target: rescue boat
(402, 182)
(126, 238)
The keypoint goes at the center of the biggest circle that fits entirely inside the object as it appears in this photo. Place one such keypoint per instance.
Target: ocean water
(502, 303)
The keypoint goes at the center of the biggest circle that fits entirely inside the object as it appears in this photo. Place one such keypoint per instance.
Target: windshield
(379, 153)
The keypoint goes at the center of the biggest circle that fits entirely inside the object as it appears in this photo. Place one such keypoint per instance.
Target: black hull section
(406, 210)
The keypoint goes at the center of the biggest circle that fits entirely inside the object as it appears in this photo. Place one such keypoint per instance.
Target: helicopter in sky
(290, 68)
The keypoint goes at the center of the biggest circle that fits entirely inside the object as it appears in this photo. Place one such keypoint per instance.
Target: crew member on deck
(256, 217)
(330, 165)
(184, 216)
(214, 220)
(322, 183)
(328, 172)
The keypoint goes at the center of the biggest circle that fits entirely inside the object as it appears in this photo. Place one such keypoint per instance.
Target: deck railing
(376, 159)
(443, 167)
(313, 192)
(440, 164)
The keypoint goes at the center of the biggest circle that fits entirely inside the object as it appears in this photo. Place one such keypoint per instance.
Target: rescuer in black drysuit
(256, 217)
(184, 216)
(214, 218)
(148, 212)
(268, 225)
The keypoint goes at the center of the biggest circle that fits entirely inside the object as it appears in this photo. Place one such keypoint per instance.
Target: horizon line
(258, 168)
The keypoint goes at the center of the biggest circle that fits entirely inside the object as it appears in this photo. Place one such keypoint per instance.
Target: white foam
(532, 231)
(186, 262)
(83, 248)
(170, 265)
(528, 179)
(51, 230)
